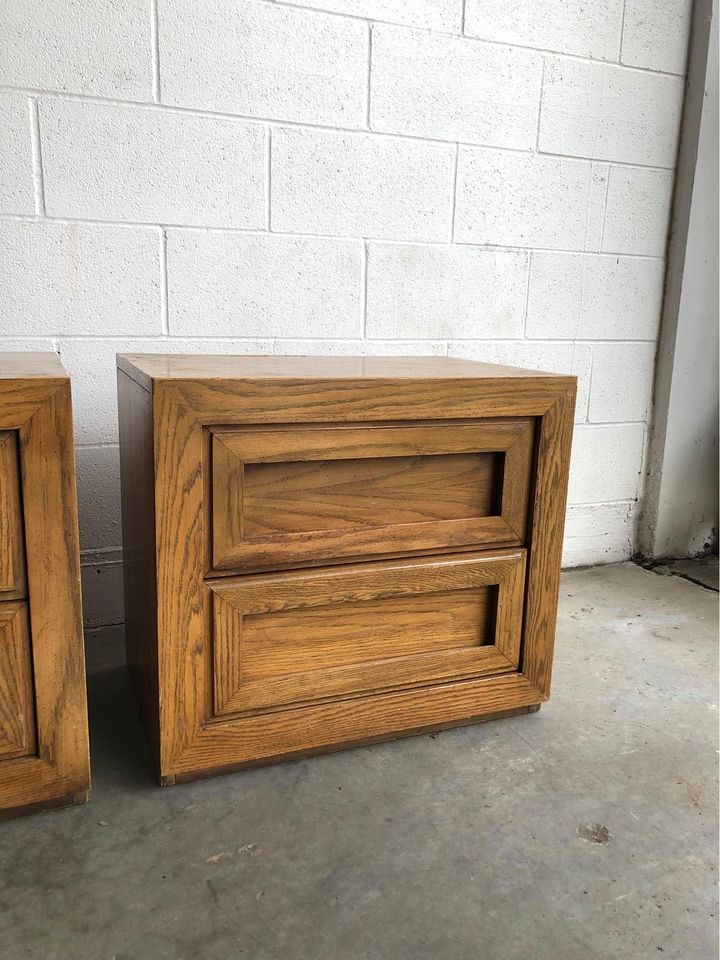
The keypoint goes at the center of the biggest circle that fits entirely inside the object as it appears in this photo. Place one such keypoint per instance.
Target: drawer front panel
(285, 639)
(305, 496)
(17, 715)
(288, 496)
(12, 557)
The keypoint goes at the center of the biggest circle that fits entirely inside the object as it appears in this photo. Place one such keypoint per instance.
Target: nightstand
(322, 552)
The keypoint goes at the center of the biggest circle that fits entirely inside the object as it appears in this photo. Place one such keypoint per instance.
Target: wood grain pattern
(366, 581)
(38, 407)
(17, 715)
(301, 496)
(285, 734)
(12, 550)
(308, 401)
(184, 655)
(30, 365)
(192, 398)
(551, 485)
(148, 368)
(291, 496)
(329, 746)
(345, 634)
(364, 627)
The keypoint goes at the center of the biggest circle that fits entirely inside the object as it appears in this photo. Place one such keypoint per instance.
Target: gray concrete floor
(586, 831)
(703, 571)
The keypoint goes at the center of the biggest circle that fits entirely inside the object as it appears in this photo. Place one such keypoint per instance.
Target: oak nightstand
(321, 552)
(44, 758)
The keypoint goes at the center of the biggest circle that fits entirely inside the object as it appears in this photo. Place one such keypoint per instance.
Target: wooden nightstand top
(146, 368)
(22, 366)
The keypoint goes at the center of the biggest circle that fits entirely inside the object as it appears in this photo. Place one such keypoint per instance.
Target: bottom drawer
(17, 715)
(293, 638)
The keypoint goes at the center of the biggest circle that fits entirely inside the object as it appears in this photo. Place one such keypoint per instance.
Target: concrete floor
(703, 571)
(586, 831)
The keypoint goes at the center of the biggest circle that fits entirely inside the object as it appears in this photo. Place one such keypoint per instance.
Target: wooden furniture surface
(44, 758)
(322, 552)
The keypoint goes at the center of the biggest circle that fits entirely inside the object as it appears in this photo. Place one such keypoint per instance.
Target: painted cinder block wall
(483, 179)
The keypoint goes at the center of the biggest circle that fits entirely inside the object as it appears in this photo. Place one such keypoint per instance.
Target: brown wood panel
(344, 634)
(26, 365)
(12, 552)
(55, 601)
(148, 368)
(38, 407)
(320, 401)
(548, 524)
(348, 441)
(138, 523)
(17, 716)
(287, 638)
(188, 774)
(289, 496)
(336, 724)
(183, 637)
(367, 581)
(301, 496)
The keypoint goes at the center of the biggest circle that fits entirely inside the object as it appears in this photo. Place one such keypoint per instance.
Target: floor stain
(251, 849)
(696, 795)
(213, 893)
(594, 833)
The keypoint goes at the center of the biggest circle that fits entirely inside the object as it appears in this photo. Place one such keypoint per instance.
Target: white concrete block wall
(607, 112)
(359, 184)
(214, 56)
(17, 191)
(525, 199)
(448, 88)
(305, 286)
(438, 177)
(116, 162)
(573, 27)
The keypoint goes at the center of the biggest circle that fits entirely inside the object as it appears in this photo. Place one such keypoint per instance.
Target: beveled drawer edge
(15, 642)
(514, 437)
(506, 570)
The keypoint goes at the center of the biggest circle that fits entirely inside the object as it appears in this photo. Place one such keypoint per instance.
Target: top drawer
(12, 555)
(289, 495)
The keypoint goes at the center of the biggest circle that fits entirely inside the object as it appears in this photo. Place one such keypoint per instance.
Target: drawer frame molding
(38, 409)
(232, 449)
(17, 711)
(232, 600)
(164, 439)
